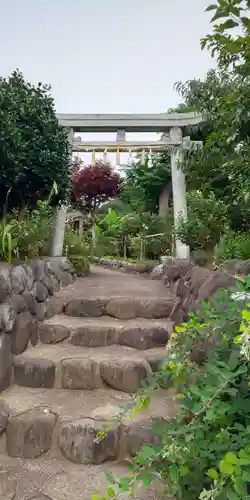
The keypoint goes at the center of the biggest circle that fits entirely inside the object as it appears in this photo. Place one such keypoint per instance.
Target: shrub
(35, 230)
(80, 263)
(205, 450)
(205, 223)
(233, 246)
(76, 244)
(127, 235)
(25, 235)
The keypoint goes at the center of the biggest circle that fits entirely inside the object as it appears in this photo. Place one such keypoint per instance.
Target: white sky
(106, 56)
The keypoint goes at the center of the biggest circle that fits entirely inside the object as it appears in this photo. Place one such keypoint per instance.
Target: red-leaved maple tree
(92, 185)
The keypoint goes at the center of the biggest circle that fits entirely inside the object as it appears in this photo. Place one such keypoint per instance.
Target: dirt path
(104, 282)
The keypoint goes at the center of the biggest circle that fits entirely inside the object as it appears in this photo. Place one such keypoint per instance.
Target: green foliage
(27, 233)
(205, 223)
(80, 263)
(230, 47)
(114, 232)
(76, 244)
(9, 232)
(34, 149)
(144, 183)
(222, 165)
(35, 229)
(205, 451)
(233, 246)
(223, 98)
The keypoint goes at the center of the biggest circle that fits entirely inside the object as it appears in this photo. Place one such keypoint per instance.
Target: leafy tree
(34, 149)
(232, 49)
(222, 165)
(93, 185)
(144, 183)
(223, 98)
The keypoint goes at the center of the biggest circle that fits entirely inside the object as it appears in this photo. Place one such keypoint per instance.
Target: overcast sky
(106, 56)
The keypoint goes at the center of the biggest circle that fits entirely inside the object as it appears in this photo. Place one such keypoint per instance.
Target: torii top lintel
(128, 122)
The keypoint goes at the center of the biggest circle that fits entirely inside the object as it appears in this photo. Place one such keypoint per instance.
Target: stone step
(70, 367)
(84, 427)
(138, 333)
(122, 307)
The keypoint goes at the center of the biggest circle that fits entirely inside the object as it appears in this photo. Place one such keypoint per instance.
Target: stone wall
(26, 298)
(192, 284)
(125, 266)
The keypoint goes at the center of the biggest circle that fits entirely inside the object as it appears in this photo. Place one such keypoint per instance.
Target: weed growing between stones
(205, 449)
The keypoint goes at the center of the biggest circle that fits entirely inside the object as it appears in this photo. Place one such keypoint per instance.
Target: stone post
(60, 219)
(179, 188)
(164, 199)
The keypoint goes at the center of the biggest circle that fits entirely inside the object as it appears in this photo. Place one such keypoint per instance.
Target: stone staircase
(69, 390)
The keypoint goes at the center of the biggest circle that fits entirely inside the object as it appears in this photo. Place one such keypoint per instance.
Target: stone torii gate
(171, 126)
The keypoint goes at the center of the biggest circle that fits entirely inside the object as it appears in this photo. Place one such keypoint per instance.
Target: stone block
(217, 281)
(5, 361)
(54, 306)
(7, 317)
(22, 332)
(144, 338)
(156, 308)
(40, 291)
(122, 308)
(41, 310)
(30, 277)
(18, 279)
(155, 357)
(137, 433)
(49, 284)
(52, 334)
(38, 269)
(31, 301)
(88, 441)
(29, 434)
(125, 376)
(17, 302)
(4, 415)
(86, 307)
(37, 372)
(81, 374)
(95, 336)
(5, 283)
(66, 278)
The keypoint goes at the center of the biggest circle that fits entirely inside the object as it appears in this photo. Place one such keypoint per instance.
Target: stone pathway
(70, 385)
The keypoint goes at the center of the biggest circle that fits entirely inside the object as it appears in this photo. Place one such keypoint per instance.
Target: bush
(205, 451)
(80, 263)
(206, 222)
(106, 245)
(233, 246)
(35, 230)
(26, 234)
(119, 236)
(75, 243)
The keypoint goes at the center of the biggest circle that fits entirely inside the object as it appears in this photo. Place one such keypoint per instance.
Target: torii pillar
(180, 144)
(60, 219)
